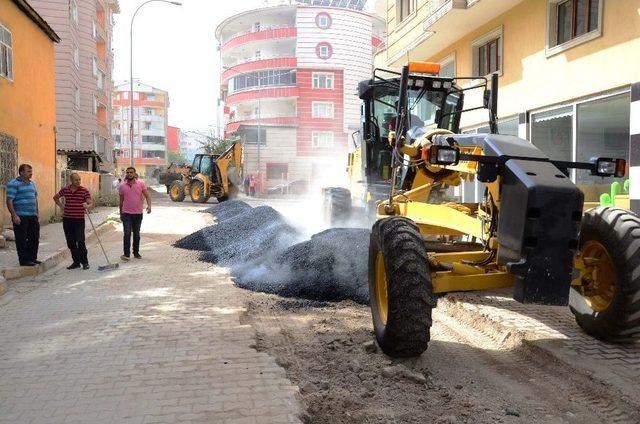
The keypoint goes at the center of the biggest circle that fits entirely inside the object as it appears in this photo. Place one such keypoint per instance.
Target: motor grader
(529, 233)
(210, 175)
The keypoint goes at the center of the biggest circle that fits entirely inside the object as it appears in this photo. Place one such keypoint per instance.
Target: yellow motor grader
(530, 232)
(210, 175)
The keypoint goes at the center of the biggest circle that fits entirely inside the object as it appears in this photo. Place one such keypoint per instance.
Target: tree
(176, 157)
(216, 146)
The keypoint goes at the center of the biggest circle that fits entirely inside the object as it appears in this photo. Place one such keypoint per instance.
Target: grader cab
(530, 231)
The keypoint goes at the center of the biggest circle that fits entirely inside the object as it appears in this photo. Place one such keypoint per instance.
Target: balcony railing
(264, 116)
(253, 30)
(257, 59)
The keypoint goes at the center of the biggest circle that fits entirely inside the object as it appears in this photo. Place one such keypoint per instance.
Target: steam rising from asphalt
(267, 253)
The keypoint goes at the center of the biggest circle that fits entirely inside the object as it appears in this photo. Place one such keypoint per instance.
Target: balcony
(443, 23)
(258, 64)
(263, 93)
(269, 33)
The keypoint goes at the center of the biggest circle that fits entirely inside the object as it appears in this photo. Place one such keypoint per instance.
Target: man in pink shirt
(131, 192)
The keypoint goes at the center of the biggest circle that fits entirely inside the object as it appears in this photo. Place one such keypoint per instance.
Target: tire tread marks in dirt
(410, 298)
(618, 231)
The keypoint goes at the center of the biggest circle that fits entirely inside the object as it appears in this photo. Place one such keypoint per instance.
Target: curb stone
(16, 272)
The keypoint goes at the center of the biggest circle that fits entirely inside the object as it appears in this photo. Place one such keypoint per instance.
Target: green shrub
(112, 199)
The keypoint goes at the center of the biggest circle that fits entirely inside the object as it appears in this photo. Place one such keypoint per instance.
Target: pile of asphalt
(264, 255)
(331, 266)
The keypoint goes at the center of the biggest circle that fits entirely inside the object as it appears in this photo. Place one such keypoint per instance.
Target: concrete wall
(27, 104)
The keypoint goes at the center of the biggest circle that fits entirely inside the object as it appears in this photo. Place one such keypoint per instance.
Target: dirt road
(464, 377)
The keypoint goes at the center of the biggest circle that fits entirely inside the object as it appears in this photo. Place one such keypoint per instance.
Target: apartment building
(150, 127)
(27, 101)
(568, 71)
(289, 83)
(84, 64)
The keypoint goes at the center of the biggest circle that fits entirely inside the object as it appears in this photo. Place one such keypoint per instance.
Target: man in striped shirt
(22, 202)
(77, 200)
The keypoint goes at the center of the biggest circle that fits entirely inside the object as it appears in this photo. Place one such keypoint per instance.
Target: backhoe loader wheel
(198, 194)
(606, 304)
(400, 291)
(337, 205)
(176, 191)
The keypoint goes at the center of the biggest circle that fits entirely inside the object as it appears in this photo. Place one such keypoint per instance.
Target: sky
(174, 49)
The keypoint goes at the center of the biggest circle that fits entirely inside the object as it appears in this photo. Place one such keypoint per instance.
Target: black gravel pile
(331, 266)
(222, 212)
(228, 209)
(247, 236)
(194, 241)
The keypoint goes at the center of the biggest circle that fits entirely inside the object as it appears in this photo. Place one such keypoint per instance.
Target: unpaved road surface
(464, 377)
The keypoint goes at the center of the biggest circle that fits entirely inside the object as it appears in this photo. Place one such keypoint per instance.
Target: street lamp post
(131, 66)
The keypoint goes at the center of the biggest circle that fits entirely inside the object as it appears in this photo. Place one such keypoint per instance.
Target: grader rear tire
(176, 191)
(607, 304)
(400, 291)
(337, 205)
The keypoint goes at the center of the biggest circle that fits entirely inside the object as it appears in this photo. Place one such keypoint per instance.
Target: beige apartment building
(569, 72)
(84, 65)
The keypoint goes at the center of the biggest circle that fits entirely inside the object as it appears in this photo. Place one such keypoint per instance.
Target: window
(76, 56)
(147, 125)
(256, 27)
(270, 78)
(154, 154)
(575, 18)
(73, 10)
(76, 97)
(404, 8)
(94, 29)
(95, 105)
(602, 131)
(77, 137)
(6, 53)
(125, 153)
(323, 20)
(552, 132)
(152, 139)
(277, 171)
(94, 63)
(572, 22)
(322, 109)
(258, 55)
(448, 66)
(136, 153)
(487, 53)
(322, 80)
(324, 50)
(321, 139)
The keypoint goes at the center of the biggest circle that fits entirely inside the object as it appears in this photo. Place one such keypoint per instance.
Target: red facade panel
(267, 34)
(173, 139)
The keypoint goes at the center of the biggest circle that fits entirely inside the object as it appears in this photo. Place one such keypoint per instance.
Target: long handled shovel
(109, 265)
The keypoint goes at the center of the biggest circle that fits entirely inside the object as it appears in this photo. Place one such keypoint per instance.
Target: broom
(109, 265)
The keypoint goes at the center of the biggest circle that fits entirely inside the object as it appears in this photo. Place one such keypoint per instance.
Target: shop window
(552, 132)
(277, 171)
(603, 131)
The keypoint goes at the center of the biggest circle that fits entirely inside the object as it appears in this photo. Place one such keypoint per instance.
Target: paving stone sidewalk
(158, 340)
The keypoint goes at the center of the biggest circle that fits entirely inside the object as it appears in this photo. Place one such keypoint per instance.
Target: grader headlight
(607, 167)
(443, 155)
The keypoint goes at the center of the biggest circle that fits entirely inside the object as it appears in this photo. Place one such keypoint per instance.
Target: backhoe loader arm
(230, 165)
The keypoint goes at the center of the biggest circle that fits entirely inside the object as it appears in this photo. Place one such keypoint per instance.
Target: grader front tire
(607, 303)
(400, 290)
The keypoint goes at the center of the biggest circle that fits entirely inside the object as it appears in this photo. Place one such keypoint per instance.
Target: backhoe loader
(529, 232)
(210, 175)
